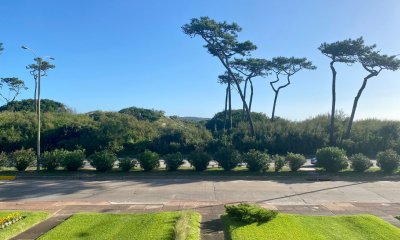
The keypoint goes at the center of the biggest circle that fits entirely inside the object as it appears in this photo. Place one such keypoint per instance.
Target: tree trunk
(226, 107)
(353, 111)
(244, 93)
(231, 75)
(230, 109)
(251, 94)
(273, 108)
(332, 125)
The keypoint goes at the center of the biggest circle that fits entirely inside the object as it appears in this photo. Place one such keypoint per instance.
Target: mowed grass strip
(30, 219)
(300, 227)
(157, 226)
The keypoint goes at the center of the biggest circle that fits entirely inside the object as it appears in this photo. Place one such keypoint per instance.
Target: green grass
(300, 227)
(122, 226)
(187, 226)
(31, 218)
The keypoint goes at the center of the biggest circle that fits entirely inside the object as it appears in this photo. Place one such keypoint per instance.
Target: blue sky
(112, 54)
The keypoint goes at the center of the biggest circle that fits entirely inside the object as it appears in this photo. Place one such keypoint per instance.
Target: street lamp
(39, 61)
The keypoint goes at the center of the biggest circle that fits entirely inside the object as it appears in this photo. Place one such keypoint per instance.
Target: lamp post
(39, 61)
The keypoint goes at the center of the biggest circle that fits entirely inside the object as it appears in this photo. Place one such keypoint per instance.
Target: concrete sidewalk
(211, 226)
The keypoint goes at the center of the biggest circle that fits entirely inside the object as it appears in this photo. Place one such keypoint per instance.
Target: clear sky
(112, 54)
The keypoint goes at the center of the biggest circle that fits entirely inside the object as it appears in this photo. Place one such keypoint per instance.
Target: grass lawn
(31, 218)
(300, 227)
(128, 226)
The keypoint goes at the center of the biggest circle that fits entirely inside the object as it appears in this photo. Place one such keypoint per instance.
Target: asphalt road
(163, 191)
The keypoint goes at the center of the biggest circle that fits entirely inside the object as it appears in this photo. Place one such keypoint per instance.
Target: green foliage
(279, 162)
(126, 164)
(73, 160)
(227, 157)
(149, 160)
(103, 161)
(3, 159)
(295, 161)
(28, 105)
(22, 159)
(257, 161)
(143, 114)
(332, 159)
(388, 160)
(52, 160)
(199, 160)
(360, 162)
(249, 213)
(173, 161)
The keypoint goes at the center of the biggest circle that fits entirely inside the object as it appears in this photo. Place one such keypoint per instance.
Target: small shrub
(249, 213)
(360, 162)
(173, 161)
(103, 161)
(257, 161)
(52, 160)
(295, 161)
(332, 159)
(199, 160)
(149, 160)
(388, 160)
(279, 162)
(22, 159)
(228, 158)
(126, 164)
(73, 160)
(3, 159)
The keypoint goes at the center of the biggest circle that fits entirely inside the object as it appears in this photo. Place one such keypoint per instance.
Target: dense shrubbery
(3, 159)
(360, 162)
(332, 159)
(257, 161)
(22, 159)
(133, 130)
(199, 160)
(279, 162)
(149, 160)
(73, 160)
(295, 161)
(126, 164)
(173, 161)
(103, 160)
(249, 213)
(52, 160)
(227, 157)
(388, 160)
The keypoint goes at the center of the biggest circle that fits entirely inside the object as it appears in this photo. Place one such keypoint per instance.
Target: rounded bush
(52, 160)
(22, 159)
(279, 162)
(388, 160)
(199, 160)
(332, 159)
(228, 158)
(249, 213)
(360, 162)
(149, 160)
(103, 161)
(126, 164)
(173, 161)
(3, 159)
(257, 161)
(295, 161)
(73, 160)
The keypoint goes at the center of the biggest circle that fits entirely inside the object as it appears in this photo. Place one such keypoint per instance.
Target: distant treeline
(132, 130)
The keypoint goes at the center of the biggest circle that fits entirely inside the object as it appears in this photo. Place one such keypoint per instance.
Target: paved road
(163, 191)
